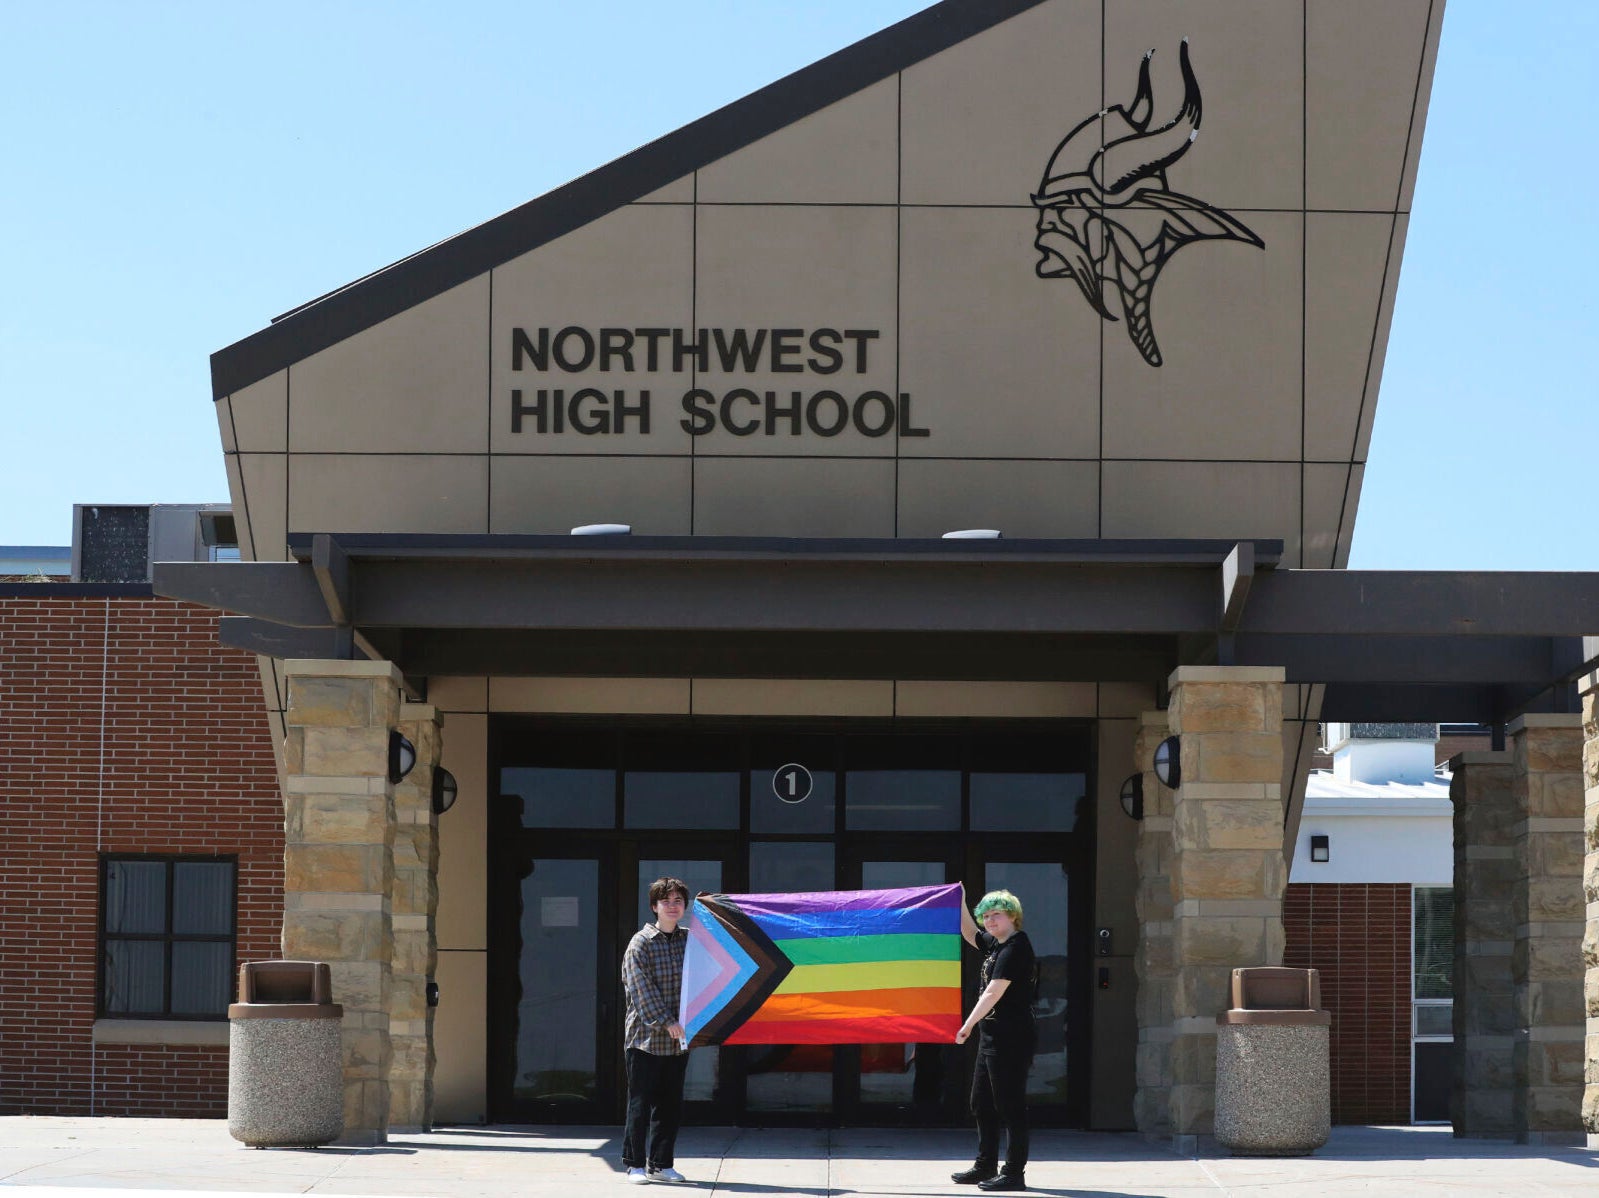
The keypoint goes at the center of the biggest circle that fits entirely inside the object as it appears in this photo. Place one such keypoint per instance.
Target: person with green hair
(1003, 1014)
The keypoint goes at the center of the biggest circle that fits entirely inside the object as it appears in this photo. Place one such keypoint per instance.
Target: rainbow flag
(830, 967)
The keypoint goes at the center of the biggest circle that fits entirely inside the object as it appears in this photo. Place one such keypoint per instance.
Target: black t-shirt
(1010, 1024)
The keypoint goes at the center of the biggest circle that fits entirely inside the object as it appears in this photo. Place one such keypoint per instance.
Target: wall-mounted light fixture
(1133, 796)
(402, 756)
(973, 534)
(1169, 763)
(1320, 848)
(444, 789)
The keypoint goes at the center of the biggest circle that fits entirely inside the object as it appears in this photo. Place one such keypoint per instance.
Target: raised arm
(968, 924)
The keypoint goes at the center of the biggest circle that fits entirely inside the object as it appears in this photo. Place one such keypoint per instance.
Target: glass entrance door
(556, 997)
(904, 1084)
(1053, 908)
(789, 1082)
(552, 993)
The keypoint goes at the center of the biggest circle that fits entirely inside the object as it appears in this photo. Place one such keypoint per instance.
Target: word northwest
(823, 411)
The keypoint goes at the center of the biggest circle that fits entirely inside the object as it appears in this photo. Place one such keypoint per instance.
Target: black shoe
(1004, 1181)
(976, 1175)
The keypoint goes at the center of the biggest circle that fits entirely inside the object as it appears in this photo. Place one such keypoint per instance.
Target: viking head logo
(1106, 218)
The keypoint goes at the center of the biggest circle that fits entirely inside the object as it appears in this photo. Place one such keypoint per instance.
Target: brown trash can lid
(285, 990)
(1276, 995)
(1276, 987)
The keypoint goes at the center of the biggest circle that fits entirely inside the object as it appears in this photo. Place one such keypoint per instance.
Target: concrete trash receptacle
(1273, 1085)
(285, 1056)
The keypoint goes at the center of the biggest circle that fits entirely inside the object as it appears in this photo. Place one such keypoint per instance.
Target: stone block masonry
(1227, 868)
(1482, 1092)
(1152, 962)
(340, 823)
(415, 902)
(1590, 888)
(1548, 910)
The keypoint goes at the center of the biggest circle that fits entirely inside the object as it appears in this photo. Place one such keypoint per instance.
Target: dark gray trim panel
(282, 592)
(860, 655)
(884, 591)
(76, 590)
(503, 547)
(1387, 704)
(280, 640)
(1424, 603)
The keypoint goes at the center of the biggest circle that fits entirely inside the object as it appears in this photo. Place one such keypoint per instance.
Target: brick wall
(124, 728)
(1358, 936)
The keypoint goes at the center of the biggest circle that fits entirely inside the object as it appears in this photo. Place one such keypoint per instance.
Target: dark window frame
(166, 938)
(1078, 732)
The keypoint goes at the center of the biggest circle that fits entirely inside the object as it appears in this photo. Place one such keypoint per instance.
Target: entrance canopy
(1387, 645)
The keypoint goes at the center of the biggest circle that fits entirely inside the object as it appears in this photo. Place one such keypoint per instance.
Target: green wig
(1000, 900)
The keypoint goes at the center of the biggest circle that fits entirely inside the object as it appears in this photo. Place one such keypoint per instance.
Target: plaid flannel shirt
(652, 976)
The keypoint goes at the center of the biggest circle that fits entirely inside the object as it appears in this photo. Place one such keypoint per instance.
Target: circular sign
(792, 783)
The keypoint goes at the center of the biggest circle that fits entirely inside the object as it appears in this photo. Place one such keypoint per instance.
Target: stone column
(1590, 885)
(1548, 910)
(1228, 871)
(1152, 960)
(1482, 791)
(415, 903)
(338, 860)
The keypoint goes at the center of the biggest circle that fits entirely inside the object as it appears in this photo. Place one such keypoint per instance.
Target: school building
(855, 488)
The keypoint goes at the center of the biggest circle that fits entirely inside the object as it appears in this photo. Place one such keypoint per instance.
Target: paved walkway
(77, 1158)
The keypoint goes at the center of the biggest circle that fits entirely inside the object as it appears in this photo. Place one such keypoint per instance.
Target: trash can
(285, 1059)
(1273, 1087)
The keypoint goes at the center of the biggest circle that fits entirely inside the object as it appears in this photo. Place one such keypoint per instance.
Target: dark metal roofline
(1161, 552)
(1389, 645)
(76, 590)
(430, 272)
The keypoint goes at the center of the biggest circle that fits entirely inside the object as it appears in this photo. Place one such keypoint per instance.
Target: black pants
(655, 1102)
(999, 1100)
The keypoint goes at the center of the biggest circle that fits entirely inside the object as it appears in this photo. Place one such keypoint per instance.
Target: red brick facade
(1358, 936)
(124, 728)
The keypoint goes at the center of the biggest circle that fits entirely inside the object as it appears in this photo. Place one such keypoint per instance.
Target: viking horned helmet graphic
(1106, 218)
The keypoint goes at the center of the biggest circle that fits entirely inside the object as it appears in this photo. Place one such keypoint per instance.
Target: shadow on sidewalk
(1350, 1144)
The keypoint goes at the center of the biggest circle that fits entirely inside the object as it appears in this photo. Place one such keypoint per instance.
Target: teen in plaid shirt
(652, 975)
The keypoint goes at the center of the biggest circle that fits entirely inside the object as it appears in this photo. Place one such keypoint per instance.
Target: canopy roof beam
(1453, 643)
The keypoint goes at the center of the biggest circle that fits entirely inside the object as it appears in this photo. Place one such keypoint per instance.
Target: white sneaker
(638, 1177)
(666, 1174)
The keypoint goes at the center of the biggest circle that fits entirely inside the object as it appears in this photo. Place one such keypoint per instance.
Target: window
(166, 937)
(681, 780)
(898, 782)
(1432, 1002)
(1434, 943)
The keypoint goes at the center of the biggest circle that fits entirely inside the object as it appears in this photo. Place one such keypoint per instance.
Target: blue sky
(177, 173)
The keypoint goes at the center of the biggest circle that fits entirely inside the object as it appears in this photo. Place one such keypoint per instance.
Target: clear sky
(177, 173)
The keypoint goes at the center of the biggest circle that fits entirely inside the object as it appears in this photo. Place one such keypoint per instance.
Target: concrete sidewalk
(74, 1158)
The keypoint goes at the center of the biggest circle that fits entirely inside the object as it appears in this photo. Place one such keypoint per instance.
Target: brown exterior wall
(1358, 936)
(124, 728)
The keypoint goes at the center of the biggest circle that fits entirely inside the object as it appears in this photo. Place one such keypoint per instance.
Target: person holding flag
(657, 1049)
(1003, 1014)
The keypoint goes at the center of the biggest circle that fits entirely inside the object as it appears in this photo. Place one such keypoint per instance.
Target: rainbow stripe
(828, 967)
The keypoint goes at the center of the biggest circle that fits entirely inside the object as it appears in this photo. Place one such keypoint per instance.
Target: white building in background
(1371, 905)
(1384, 809)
